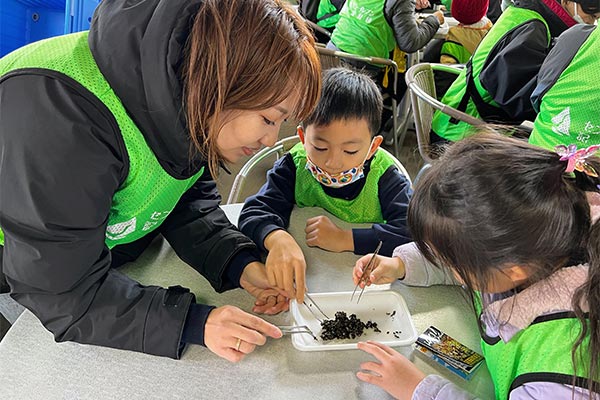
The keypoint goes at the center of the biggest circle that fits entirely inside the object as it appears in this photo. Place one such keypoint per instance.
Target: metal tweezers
(366, 273)
(311, 310)
(292, 329)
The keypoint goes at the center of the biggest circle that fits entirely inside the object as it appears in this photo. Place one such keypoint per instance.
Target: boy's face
(339, 146)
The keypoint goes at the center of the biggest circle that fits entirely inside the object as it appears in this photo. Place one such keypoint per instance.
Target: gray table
(33, 366)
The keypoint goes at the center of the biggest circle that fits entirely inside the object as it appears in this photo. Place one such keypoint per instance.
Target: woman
(114, 136)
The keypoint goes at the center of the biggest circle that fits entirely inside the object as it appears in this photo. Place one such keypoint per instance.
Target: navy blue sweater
(271, 207)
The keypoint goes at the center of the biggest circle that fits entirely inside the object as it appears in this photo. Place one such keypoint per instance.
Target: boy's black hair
(347, 94)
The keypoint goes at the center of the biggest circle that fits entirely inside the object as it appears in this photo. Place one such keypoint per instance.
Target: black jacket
(63, 158)
(510, 72)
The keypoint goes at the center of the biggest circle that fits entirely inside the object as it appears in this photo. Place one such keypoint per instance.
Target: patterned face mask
(340, 179)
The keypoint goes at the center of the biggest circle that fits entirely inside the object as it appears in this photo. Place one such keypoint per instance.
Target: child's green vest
(460, 97)
(365, 208)
(567, 113)
(539, 353)
(327, 15)
(149, 193)
(374, 33)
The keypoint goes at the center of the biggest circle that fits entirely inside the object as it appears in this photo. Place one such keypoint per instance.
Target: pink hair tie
(576, 158)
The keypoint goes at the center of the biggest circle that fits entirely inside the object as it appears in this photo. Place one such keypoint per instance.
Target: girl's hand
(323, 233)
(385, 270)
(286, 266)
(394, 373)
(232, 333)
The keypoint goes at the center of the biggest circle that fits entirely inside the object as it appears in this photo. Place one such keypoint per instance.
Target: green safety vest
(443, 125)
(456, 51)
(149, 193)
(539, 353)
(365, 208)
(362, 29)
(327, 14)
(567, 113)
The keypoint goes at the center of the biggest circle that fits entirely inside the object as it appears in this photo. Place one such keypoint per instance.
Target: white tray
(377, 306)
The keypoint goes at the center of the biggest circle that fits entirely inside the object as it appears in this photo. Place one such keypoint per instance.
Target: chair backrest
(259, 163)
(263, 161)
(421, 84)
(398, 165)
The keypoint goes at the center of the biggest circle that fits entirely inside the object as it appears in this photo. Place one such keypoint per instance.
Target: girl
(113, 136)
(513, 224)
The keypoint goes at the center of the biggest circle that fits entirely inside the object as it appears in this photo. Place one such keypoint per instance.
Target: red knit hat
(468, 12)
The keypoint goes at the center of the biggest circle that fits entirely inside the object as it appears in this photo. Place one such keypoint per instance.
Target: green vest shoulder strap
(539, 353)
(328, 13)
(460, 97)
(372, 36)
(567, 116)
(365, 208)
(149, 193)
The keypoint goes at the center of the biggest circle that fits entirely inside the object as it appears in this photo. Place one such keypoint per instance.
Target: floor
(409, 156)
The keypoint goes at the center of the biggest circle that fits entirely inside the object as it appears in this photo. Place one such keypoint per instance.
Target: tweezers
(316, 305)
(292, 329)
(366, 272)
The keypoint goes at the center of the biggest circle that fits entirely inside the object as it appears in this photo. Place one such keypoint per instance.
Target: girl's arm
(418, 271)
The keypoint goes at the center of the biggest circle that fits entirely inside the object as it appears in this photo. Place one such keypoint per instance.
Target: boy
(462, 39)
(336, 167)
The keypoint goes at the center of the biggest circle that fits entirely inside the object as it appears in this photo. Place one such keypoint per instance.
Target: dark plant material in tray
(344, 327)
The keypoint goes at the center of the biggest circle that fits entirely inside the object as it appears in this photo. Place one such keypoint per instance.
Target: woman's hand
(269, 300)
(394, 373)
(286, 266)
(232, 333)
(421, 4)
(385, 270)
(322, 232)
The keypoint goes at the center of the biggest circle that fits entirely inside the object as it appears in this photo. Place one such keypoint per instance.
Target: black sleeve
(410, 35)
(271, 207)
(62, 159)
(202, 236)
(559, 58)
(394, 195)
(512, 67)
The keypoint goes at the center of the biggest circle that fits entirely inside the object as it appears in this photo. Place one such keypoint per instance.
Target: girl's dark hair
(347, 94)
(492, 202)
(245, 55)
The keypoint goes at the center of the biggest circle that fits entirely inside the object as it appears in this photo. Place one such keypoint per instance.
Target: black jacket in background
(63, 158)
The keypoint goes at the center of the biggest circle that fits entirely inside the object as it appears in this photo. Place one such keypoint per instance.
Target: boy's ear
(300, 132)
(376, 142)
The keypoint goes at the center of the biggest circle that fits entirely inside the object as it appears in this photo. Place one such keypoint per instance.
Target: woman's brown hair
(245, 55)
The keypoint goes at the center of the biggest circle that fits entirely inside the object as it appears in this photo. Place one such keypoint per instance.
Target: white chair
(260, 163)
(421, 85)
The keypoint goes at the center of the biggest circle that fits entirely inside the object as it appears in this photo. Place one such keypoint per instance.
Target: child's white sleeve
(419, 271)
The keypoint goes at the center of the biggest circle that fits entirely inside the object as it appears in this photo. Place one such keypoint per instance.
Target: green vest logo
(363, 14)
(562, 122)
(120, 230)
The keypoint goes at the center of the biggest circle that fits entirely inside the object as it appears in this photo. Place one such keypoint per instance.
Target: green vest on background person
(569, 109)
(373, 37)
(328, 13)
(539, 353)
(149, 193)
(365, 208)
(457, 97)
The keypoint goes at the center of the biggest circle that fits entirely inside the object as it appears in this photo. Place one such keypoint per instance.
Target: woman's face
(246, 132)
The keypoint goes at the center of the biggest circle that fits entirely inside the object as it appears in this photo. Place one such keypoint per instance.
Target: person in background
(499, 79)
(114, 136)
(462, 39)
(532, 269)
(338, 167)
(566, 96)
